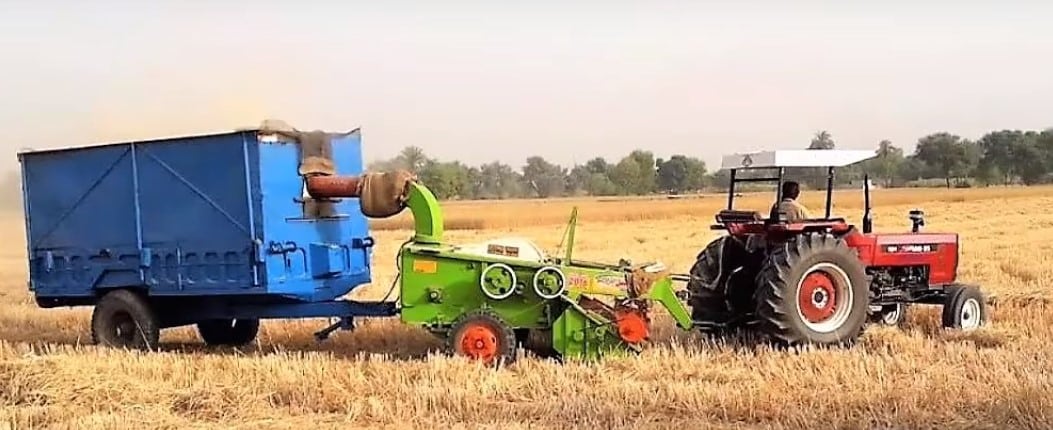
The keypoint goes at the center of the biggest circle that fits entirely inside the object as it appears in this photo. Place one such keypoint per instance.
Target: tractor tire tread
(776, 295)
(706, 302)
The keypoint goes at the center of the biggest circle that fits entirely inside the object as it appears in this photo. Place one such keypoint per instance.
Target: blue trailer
(215, 230)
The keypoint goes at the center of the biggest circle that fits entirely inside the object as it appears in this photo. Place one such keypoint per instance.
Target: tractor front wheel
(964, 308)
(812, 290)
(483, 336)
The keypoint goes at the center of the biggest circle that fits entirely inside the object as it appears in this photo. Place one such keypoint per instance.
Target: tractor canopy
(771, 167)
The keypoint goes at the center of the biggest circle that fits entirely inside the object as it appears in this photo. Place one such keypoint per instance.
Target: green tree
(546, 179)
(947, 154)
(578, 180)
(815, 177)
(1003, 152)
(499, 181)
(1030, 161)
(885, 166)
(636, 174)
(822, 140)
(681, 173)
(412, 158)
(598, 165)
(445, 179)
(1044, 143)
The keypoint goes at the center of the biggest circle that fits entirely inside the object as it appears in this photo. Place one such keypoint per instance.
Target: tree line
(1002, 157)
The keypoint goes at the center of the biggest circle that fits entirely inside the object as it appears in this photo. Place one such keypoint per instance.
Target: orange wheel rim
(817, 297)
(479, 342)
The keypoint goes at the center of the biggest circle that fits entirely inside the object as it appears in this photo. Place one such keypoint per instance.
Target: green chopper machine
(487, 299)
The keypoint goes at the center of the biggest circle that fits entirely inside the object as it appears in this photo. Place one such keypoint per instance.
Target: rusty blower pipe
(326, 187)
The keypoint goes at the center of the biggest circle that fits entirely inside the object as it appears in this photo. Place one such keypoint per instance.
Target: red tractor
(820, 281)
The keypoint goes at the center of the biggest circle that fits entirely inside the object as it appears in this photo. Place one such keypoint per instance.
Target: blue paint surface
(193, 217)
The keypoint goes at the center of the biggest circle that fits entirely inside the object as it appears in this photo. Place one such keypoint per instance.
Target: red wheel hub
(817, 297)
(478, 342)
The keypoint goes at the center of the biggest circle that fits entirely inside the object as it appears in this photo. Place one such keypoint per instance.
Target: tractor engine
(895, 284)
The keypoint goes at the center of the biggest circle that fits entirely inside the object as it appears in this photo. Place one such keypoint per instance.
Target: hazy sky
(479, 81)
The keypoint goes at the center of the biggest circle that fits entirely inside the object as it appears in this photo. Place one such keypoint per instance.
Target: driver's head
(790, 190)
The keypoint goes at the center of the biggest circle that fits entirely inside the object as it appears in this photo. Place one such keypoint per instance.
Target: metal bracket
(345, 323)
(362, 242)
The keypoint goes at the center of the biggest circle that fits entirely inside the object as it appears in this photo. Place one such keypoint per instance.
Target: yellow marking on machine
(426, 266)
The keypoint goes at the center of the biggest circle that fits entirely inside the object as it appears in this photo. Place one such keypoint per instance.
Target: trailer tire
(484, 336)
(229, 332)
(813, 291)
(124, 319)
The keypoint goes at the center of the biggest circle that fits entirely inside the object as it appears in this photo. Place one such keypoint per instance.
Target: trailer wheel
(964, 308)
(124, 319)
(228, 332)
(483, 336)
(813, 290)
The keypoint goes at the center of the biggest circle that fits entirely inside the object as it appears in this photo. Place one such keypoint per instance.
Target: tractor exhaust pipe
(868, 220)
(917, 220)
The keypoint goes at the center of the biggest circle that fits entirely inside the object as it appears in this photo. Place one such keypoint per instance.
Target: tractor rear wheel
(484, 336)
(238, 332)
(718, 297)
(706, 302)
(812, 290)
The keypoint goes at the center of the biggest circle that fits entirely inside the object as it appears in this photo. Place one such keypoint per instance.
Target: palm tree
(413, 158)
(822, 140)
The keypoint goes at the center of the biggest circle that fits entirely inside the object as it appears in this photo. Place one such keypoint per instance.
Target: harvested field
(386, 375)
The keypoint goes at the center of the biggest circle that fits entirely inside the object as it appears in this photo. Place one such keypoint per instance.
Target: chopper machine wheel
(812, 290)
(481, 335)
(964, 308)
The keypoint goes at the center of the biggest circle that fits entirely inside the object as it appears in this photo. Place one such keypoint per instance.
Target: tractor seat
(738, 217)
(821, 220)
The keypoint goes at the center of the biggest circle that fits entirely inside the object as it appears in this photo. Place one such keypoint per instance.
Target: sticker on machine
(425, 266)
(577, 280)
(611, 280)
(910, 249)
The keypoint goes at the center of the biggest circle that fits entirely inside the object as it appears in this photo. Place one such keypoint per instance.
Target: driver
(789, 206)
